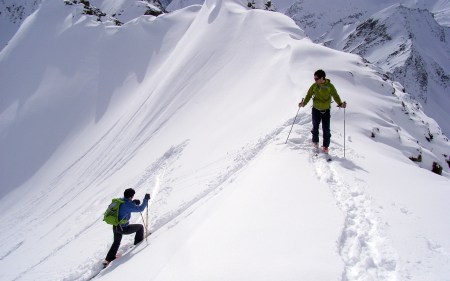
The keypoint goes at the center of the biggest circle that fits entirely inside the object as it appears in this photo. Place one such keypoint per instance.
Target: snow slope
(197, 112)
(12, 14)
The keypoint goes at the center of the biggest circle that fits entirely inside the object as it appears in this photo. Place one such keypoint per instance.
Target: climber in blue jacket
(129, 206)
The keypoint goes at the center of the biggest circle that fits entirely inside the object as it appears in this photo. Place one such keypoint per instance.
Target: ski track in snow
(87, 270)
(362, 245)
(15, 247)
(239, 159)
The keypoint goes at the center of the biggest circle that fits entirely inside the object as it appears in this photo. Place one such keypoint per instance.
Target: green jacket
(321, 95)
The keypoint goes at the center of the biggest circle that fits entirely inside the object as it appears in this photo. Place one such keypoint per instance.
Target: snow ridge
(234, 162)
(200, 114)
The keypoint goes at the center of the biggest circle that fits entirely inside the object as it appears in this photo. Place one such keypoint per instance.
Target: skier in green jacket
(321, 92)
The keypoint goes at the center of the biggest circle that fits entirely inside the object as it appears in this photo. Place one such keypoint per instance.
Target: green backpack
(111, 215)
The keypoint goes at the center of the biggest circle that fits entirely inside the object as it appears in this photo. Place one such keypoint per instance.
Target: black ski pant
(323, 117)
(119, 232)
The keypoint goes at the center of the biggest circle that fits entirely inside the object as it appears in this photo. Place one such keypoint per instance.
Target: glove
(343, 105)
(301, 104)
(137, 202)
(147, 196)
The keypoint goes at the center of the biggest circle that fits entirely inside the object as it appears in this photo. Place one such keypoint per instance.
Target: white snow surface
(195, 107)
(12, 14)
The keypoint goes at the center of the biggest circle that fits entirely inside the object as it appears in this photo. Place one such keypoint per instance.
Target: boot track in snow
(362, 245)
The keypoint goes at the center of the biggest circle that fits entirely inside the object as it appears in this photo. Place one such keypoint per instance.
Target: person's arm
(140, 208)
(307, 97)
(335, 95)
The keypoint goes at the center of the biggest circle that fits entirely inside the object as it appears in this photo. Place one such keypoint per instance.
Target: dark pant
(324, 117)
(118, 232)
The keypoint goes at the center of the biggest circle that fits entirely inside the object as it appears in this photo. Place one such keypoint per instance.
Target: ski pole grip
(301, 103)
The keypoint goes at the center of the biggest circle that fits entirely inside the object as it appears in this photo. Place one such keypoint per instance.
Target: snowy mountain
(12, 14)
(404, 39)
(398, 40)
(195, 107)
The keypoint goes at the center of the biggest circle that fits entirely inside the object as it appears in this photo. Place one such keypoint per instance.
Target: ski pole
(344, 132)
(293, 123)
(143, 221)
(145, 226)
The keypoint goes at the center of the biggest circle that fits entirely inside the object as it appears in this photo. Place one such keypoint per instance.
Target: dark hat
(320, 74)
(129, 193)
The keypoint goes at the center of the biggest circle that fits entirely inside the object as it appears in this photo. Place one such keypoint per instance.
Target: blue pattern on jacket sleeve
(129, 207)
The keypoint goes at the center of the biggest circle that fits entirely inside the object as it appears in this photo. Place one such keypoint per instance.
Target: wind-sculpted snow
(195, 107)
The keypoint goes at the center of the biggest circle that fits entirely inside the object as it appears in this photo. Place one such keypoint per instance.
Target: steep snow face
(12, 14)
(388, 37)
(40, 67)
(398, 40)
(319, 18)
(196, 110)
(439, 8)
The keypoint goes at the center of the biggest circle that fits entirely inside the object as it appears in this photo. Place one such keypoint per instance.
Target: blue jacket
(129, 207)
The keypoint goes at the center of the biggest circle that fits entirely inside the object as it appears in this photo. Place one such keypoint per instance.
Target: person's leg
(326, 128)
(138, 228)
(316, 116)
(115, 246)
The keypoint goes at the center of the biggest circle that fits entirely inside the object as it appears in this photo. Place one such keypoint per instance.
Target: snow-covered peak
(398, 40)
(319, 18)
(398, 28)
